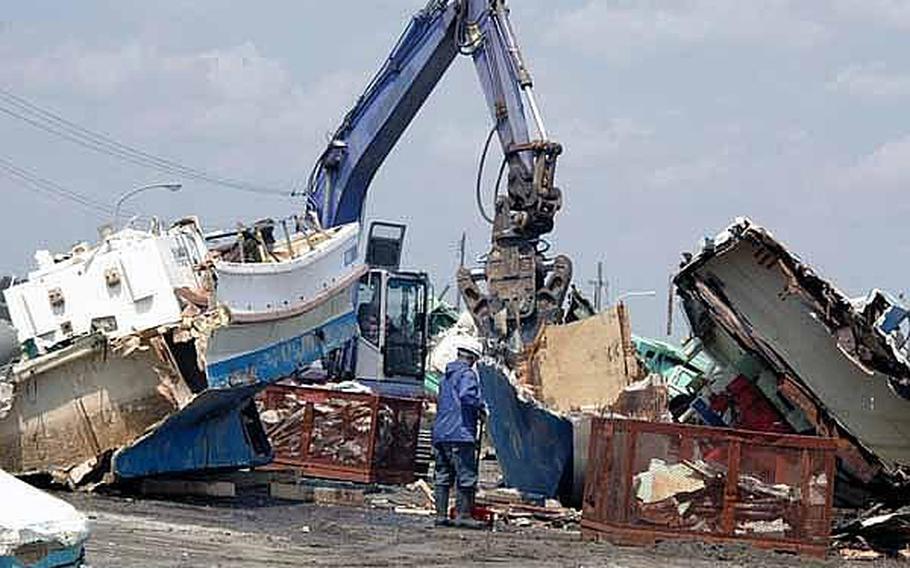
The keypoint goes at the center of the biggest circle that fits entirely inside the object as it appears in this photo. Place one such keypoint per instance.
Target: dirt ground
(256, 531)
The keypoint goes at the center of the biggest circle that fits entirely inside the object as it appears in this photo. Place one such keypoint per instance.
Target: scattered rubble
(874, 533)
(785, 370)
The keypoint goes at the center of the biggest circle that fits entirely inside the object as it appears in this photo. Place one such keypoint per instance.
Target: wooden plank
(292, 492)
(338, 496)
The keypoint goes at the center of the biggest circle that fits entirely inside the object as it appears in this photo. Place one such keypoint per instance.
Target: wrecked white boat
(828, 365)
(141, 355)
(38, 530)
(283, 313)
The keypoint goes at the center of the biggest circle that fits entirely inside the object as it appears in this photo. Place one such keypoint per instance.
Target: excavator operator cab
(392, 315)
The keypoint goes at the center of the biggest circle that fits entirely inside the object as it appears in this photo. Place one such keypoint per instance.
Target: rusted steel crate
(360, 437)
(648, 482)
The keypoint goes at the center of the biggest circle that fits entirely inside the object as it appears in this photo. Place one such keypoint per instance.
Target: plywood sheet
(585, 364)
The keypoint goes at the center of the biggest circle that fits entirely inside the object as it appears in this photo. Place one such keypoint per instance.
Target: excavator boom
(519, 289)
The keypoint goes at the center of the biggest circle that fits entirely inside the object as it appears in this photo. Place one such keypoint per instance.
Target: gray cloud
(621, 31)
(873, 81)
(676, 117)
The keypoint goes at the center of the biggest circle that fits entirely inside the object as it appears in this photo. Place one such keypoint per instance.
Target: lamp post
(132, 192)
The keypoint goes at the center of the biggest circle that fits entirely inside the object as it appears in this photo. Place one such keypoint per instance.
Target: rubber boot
(441, 496)
(464, 500)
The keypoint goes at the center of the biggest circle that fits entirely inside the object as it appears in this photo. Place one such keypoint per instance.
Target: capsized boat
(141, 354)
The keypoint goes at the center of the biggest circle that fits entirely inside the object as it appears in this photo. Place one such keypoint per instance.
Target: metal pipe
(535, 113)
(287, 238)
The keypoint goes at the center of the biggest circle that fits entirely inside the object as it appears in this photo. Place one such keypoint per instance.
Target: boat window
(406, 311)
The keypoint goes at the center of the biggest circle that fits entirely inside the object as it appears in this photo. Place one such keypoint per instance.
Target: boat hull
(269, 337)
(78, 403)
(533, 445)
(268, 350)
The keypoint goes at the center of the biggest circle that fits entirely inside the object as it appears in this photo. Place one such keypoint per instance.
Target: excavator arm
(519, 288)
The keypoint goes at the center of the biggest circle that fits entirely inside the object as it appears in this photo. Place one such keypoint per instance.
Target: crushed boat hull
(533, 445)
(218, 429)
(73, 405)
(817, 357)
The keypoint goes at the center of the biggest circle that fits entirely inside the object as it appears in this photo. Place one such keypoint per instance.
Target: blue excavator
(519, 288)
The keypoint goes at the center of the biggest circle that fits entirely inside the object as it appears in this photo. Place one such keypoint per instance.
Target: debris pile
(874, 533)
(510, 507)
(775, 350)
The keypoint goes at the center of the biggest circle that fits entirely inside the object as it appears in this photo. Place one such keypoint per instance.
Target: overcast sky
(676, 117)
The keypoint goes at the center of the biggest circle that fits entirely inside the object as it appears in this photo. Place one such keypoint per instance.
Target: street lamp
(132, 192)
(643, 293)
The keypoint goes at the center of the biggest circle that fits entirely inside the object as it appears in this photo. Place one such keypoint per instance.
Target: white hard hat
(469, 344)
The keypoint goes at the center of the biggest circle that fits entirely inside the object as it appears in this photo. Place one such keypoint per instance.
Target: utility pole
(670, 305)
(461, 251)
(600, 287)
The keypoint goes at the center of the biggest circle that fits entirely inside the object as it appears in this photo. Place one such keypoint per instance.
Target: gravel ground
(256, 531)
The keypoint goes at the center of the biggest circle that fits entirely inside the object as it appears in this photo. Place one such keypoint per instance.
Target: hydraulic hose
(477, 190)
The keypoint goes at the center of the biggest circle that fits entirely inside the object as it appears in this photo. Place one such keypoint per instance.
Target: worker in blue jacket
(458, 410)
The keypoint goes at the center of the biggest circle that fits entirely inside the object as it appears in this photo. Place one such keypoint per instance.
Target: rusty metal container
(339, 435)
(648, 482)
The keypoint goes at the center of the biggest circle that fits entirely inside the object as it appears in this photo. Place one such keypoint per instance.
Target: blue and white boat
(282, 316)
(149, 347)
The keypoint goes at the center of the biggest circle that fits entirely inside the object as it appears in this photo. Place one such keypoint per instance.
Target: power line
(43, 119)
(53, 189)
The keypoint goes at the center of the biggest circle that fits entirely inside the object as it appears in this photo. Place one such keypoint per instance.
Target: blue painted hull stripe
(283, 359)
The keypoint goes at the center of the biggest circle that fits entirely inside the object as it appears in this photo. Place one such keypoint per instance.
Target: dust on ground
(256, 531)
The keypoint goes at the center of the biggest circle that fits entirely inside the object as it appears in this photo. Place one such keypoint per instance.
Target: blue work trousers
(456, 464)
